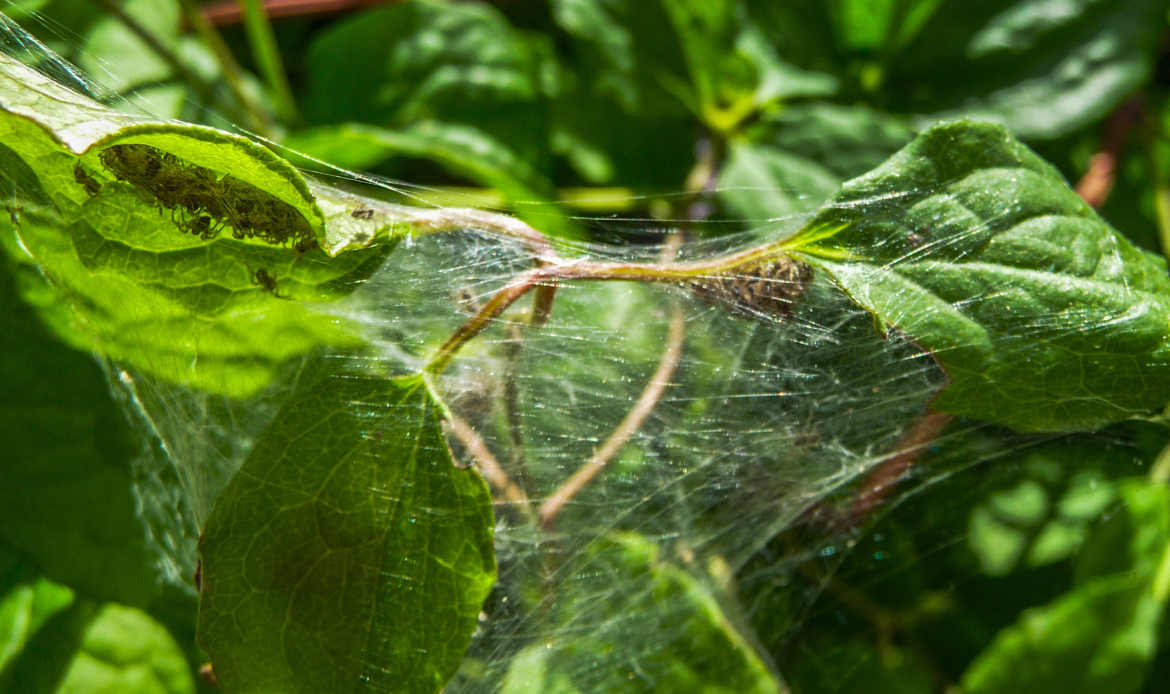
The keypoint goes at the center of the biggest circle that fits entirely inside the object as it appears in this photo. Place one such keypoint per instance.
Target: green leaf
(26, 602)
(349, 553)
(1042, 316)
(845, 140)
(87, 648)
(113, 196)
(708, 57)
(419, 60)
(1042, 69)
(659, 628)
(112, 50)
(869, 25)
(1041, 514)
(67, 444)
(1102, 635)
(1133, 537)
(427, 61)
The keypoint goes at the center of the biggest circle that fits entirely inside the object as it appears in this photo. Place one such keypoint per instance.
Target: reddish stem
(229, 12)
(885, 477)
(1095, 185)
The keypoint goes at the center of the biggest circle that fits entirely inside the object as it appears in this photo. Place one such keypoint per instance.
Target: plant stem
(487, 463)
(886, 476)
(629, 425)
(1095, 185)
(499, 303)
(232, 74)
(229, 12)
(202, 88)
(512, 348)
(267, 56)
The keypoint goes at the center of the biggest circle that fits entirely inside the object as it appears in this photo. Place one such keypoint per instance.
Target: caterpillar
(770, 288)
(203, 203)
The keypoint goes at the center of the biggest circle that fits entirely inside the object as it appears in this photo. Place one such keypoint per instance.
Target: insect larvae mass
(770, 287)
(202, 202)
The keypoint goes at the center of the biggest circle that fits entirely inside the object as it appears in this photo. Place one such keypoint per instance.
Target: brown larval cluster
(769, 289)
(201, 202)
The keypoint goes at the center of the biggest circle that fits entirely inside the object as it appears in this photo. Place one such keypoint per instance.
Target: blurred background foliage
(576, 115)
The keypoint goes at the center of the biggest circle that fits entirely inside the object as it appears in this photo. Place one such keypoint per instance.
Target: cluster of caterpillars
(201, 201)
(768, 289)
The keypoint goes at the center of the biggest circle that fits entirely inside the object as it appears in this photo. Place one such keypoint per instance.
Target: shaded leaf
(1099, 637)
(427, 61)
(1133, 538)
(708, 57)
(67, 445)
(1045, 513)
(349, 553)
(1042, 68)
(88, 648)
(26, 602)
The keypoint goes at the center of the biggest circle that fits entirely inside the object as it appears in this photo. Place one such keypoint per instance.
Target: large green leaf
(454, 63)
(110, 197)
(67, 445)
(349, 553)
(419, 60)
(1043, 317)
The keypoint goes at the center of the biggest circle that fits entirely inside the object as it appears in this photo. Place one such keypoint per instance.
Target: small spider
(362, 213)
(92, 187)
(465, 299)
(305, 245)
(261, 278)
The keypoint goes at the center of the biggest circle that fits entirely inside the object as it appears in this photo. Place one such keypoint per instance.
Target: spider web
(766, 455)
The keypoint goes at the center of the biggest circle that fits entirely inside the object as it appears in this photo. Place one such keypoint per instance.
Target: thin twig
(1095, 185)
(267, 57)
(886, 476)
(233, 75)
(628, 427)
(201, 86)
(496, 305)
(487, 463)
(230, 12)
(512, 347)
